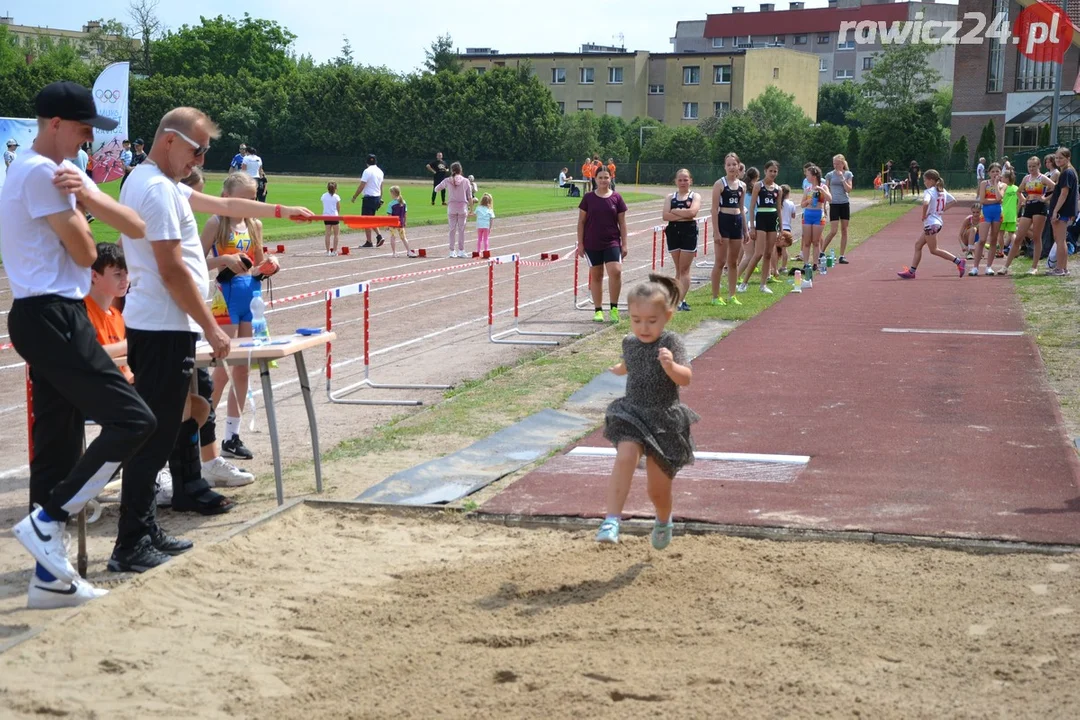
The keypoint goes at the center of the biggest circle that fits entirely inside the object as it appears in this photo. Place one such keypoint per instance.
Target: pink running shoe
(907, 274)
(962, 267)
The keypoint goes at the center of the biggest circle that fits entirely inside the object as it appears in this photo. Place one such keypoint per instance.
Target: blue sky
(396, 35)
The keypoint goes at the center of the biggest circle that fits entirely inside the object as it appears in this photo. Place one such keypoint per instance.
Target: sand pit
(328, 612)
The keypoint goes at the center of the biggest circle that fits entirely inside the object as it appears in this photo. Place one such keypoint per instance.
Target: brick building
(816, 30)
(995, 82)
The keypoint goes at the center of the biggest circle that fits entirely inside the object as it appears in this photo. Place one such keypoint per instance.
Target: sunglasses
(200, 150)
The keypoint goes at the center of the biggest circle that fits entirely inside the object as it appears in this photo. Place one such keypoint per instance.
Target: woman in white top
(331, 205)
(935, 200)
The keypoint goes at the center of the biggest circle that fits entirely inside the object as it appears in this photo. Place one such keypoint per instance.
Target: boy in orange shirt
(108, 281)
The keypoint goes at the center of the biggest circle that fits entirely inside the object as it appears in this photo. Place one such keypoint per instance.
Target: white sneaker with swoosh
(45, 541)
(59, 594)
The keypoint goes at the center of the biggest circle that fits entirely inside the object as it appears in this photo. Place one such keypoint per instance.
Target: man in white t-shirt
(253, 166)
(980, 170)
(371, 188)
(165, 311)
(48, 250)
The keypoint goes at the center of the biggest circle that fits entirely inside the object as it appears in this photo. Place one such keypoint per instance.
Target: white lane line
(923, 331)
(585, 451)
(14, 471)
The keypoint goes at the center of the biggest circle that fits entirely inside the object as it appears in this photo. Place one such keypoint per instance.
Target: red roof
(798, 22)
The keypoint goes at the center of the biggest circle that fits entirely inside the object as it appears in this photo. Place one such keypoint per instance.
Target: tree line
(312, 117)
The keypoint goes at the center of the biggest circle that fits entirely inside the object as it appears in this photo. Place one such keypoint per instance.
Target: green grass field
(510, 199)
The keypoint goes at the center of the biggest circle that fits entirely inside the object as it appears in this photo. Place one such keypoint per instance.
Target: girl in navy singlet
(680, 211)
(729, 222)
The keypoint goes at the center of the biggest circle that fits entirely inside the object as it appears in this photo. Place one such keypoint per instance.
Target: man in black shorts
(438, 168)
(371, 188)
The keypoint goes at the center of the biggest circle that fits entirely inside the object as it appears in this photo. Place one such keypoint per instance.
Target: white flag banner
(111, 97)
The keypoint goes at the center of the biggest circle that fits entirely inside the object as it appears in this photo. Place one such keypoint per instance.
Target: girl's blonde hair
(1009, 177)
(395, 191)
(1068, 155)
(935, 177)
(842, 159)
(331, 187)
(195, 179)
(486, 200)
(662, 285)
(684, 170)
(233, 183)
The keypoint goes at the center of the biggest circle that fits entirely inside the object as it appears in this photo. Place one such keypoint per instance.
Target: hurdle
(338, 396)
(500, 338)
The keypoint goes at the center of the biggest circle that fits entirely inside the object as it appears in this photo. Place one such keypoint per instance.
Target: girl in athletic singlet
(235, 246)
(680, 211)
(935, 200)
(729, 226)
(815, 195)
(765, 219)
(1035, 188)
(990, 193)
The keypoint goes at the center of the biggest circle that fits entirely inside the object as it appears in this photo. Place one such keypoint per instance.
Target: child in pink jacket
(458, 203)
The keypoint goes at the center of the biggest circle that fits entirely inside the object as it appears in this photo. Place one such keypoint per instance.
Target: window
(562, 108)
(867, 63)
(744, 42)
(823, 39)
(558, 76)
(722, 74)
(614, 76)
(776, 73)
(691, 75)
(656, 89)
(846, 45)
(718, 42)
(585, 76)
(584, 105)
(845, 74)
(1031, 75)
(613, 107)
(823, 65)
(800, 39)
(689, 111)
(719, 108)
(480, 70)
(995, 73)
(779, 40)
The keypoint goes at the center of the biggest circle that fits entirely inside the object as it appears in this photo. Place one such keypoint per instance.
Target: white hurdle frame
(500, 338)
(338, 396)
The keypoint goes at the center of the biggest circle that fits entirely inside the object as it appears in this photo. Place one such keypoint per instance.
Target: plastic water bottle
(797, 287)
(831, 260)
(259, 331)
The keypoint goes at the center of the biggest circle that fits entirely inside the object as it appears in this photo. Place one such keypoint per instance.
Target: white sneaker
(219, 472)
(741, 287)
(765, 290)
(45, 541)
(58, 594)
(990, 271)
(163, 488)
(453, 254)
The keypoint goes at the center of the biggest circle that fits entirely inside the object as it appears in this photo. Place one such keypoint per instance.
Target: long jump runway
(922, 405)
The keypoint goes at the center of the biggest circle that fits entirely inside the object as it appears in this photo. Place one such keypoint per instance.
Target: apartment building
(25, 34)
(996, 82)
(815, 30)
(674, 88)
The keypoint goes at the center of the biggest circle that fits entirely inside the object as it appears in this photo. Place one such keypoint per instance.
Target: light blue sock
(43, 574)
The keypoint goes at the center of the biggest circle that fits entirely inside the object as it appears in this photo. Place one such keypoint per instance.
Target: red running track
(917, 434)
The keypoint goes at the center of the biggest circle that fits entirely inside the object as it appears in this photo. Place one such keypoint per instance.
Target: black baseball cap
(371, 157)
(70, 101)
(138, 141)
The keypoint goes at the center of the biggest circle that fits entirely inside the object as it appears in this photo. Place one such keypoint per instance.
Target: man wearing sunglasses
(48, 250)
(165, 311)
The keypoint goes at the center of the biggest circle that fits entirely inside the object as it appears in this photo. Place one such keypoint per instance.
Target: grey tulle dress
(651, 413)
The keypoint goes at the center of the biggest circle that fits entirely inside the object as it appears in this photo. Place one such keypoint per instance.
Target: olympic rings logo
(108, 96)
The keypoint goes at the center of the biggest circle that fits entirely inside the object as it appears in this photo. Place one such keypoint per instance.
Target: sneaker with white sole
(234, 448)
(741, 287)
(45, 541)
(163, 488)
(219, 472)
(608, 534)
(43, 595)
(766, 289)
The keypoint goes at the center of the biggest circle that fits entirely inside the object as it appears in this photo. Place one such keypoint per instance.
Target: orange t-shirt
(109, 324)
(611, 169)
(587, 170)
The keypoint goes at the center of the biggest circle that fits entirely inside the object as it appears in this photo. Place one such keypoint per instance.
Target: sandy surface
(333, 613)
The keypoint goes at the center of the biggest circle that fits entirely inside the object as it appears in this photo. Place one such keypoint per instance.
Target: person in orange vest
(611, 169)
(587, 171)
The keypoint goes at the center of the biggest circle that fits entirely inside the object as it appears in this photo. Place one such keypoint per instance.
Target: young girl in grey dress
(649, 419)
